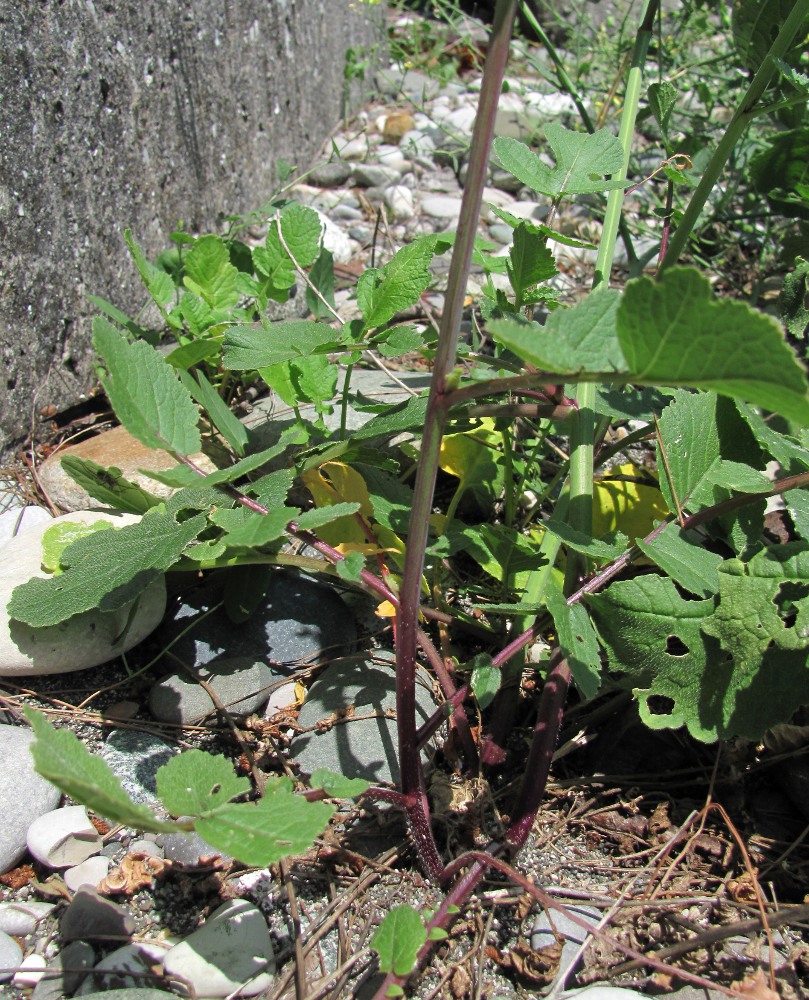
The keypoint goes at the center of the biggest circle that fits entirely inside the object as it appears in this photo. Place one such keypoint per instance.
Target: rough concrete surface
(140, 114)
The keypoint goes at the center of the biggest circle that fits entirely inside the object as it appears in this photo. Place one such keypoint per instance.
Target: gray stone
(86, 639)
(240, 683)
(187, 848)
(330, 174)
(501, 232)
(400, 201)
(346, 213)
(504, 181)
(91, 917)
(136, 758)
(65, 972)
(20, 811)
(373, 175)
(139, 114)
(63, 837)
(416, 86)
(15, 519)
(295, 306)
(441, 207)
(89, 872)
(125, 968)
(357, 748)
(10, 956)
(232, 949)
(20, 919)
(298, 621)
(542, 935)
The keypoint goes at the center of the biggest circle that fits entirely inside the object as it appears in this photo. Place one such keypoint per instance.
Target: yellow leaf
(385, 610)
(630, 507)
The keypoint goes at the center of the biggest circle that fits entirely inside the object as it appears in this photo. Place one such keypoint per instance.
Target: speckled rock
(240, 683)
(10, 956)
(136, 758)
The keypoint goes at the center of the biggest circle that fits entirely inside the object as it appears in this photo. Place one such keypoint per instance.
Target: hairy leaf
(248, 529)
(106, 570)
(577, 640)
(672, 332)
(582, 160)
(108, 486)
(220, 415)
(279, 825)
(484, 679)
(210, 274)
(580, 339)
(662, 99)
(398, 939)
(195, 783)
(63, 759)
(383, 293)
(145, 392)
(337, 786)
(158, 284)
(530, 260)
(250, 347)
(687, 562)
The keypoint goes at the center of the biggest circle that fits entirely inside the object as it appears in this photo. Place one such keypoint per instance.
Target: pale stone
(85, 640)
(89, 872)
(115, 448)
(31, 970)
(63, 838)
(21, 919)
(19, 811)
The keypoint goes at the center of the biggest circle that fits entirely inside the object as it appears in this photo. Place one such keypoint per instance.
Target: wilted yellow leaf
(622, 505)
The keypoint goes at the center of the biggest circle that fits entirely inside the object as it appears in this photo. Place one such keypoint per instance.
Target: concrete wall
(139, 114)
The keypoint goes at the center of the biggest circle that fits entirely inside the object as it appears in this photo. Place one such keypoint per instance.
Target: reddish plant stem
(438, 404)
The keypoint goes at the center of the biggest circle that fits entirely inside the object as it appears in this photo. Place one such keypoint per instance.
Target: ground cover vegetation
(475, 513)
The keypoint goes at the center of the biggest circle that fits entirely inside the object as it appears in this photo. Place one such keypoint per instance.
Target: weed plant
(711, 634)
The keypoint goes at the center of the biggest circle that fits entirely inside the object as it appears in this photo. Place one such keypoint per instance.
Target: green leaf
(781, 172)
(220, 415)
(755, 25)
(106, 570)
(672, 332)
(247, 529)
(322, 277)
(530, 260)
(315, 381)
(145, 393)
(577, 640)
(582, 160)
(195, 783)
(158, 284)
(604, 549)
(662, 98)
(350, 568)
(398, 341)
(680, 556)
(302, 229)
(108, 486)
(484, 680)
(279, 825)
(337, 786)
(405, 416)
(63, 759)
(313, 519)
(580, 339)
(793, 302)
(784, 449)
(272, 490)
(738, 477)
(398, 940)
(187, 355)
(210, 274)
(59, 537)
(383, 293)
(247, 348)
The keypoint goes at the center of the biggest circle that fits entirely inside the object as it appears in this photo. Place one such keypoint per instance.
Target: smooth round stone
(298, 621)
(441, 207)
(335, 240)
(66, 971)
(31, 970)
(125, 968)
(401, 201)
(373, 175)
(90, 916)
(187, 848)
(415, 143)
(148, 847)
(89, 872)
(14, 520)
(504, 181)
(240, 684)
(501, 232)
(330, 174)
(550, 104)
(20, 811)
(528, 210)
(136, 758)
(86, 639)
(461, 120)
(392, 156)
(353, 149)
(63, 838)
(346, 213)
(21, 919)
(10, 956)
(232, 949)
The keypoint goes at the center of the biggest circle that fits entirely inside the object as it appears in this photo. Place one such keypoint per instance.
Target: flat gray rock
(15, 519)
(330, 174)
(357, 748)
(187, 848)
(232, 949)
(85, 640)
(299, 621)
(91, 917)
(20, 919)
(127, 967)
(240, 683)
(65, 972)
(136, 758)
(20, 811)
(10, 956)
(542, 935)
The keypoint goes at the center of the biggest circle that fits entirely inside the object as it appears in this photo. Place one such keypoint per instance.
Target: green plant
(714, 636)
